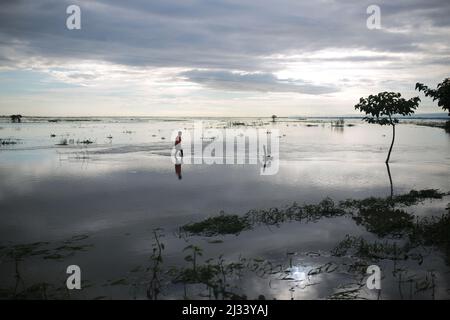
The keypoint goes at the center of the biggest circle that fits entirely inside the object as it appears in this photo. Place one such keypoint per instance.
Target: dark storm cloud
(262, 82)
(227, 35)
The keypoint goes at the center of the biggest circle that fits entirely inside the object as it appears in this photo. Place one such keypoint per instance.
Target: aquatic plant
(237, 124)
(18, 254)
(378, 215)
(220, 276)
(154, 286)
(338, 123)
(359, 247)
(7, 142)
(352, 293)
(385, 222)
(62, 142)
(408, 199)
(86, 141)
(433, 231)
(221, 224)
(296, 212)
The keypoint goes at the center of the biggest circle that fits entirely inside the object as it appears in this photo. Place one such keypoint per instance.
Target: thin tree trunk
(392, 143)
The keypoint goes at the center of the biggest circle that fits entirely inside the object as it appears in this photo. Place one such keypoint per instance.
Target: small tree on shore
(274, 118)
(382, 108)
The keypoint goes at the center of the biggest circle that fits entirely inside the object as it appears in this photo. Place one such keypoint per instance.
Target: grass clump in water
(434, 231)
(378, 215)
(222, 224)
(86, 141)
(414, 196)
(408, 199)
(7, 142)
(359, 247)
(311, 212)
(385, 222)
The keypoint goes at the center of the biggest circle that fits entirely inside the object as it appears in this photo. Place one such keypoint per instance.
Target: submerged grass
(18, 254)
(222, 278)
(222, 224)
(408, 199)
(359, 247)
(378, 215)
(385, 222)
(7, 142)
(434, 231)
(414, 196)
(429, 232)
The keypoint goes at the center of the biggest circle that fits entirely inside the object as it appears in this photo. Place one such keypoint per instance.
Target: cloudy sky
(216, 57)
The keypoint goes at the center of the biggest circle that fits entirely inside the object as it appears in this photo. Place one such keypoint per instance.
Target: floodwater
(107, 206)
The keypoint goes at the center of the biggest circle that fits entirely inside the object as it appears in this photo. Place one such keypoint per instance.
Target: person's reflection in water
(178, 163)
(267, 159)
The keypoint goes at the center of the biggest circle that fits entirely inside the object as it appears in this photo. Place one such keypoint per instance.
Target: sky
(217, 57)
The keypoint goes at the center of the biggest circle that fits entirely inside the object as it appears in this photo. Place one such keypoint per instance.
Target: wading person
(178, 147)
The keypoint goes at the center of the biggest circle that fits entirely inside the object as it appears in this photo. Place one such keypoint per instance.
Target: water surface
(112, 194)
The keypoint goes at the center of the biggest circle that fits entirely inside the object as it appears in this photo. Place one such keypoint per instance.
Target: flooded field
(105, 195)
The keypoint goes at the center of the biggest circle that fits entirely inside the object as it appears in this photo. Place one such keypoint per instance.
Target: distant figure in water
(178, 168)
(178, 147)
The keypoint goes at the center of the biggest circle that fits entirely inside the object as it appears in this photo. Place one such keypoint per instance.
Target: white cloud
(195, 57)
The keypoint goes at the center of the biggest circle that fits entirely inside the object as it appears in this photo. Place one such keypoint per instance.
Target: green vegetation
(378, 215)
(358, 247)
(237, 124)
(154, 286)
(338, 123)
(7, 142)
(401, 238)
(222, 224)
(411, 198)
(18, 254)
(414, 197)
(62, 142)
(382, 108)
(385, 222)
(441, 94)
(86, 141)
(218, 275)
(295, 212)
(434, 231)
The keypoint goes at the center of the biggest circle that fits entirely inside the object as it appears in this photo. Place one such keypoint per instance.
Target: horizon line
(443, 115)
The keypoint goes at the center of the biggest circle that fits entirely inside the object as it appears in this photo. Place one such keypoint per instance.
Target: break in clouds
(200, 53)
